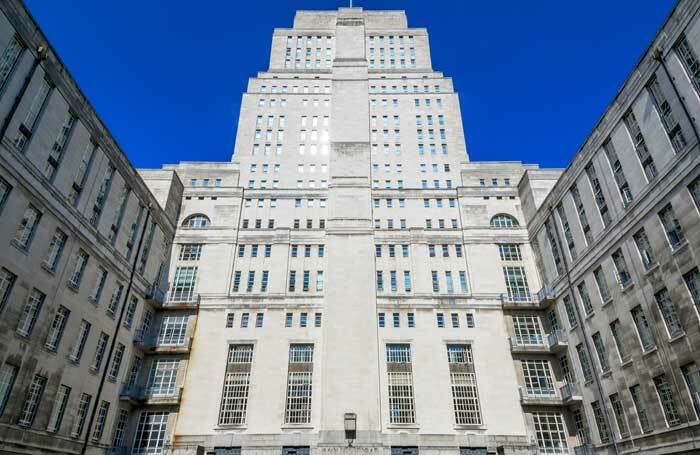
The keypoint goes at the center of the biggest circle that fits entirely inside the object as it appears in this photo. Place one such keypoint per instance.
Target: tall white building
(350, 282)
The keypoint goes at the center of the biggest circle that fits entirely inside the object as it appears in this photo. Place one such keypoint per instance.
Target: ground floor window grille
(298, 408)
(401, 408)
(234, 401)
(465, 397)
(550, 432)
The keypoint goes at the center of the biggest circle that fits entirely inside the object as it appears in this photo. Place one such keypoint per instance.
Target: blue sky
(167, 77)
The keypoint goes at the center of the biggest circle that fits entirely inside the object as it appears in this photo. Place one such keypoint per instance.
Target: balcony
(558, 341)
(528, 345)
(155, 295)
(571, 393)
(156, 344)
(178, 301)
(538, 300)
(584, 449)
(540, 397)
(148, 395)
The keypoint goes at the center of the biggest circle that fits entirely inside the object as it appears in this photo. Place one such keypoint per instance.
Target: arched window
(503, 221)
(196, 221)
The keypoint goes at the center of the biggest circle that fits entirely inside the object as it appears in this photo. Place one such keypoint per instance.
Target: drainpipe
(582, 326)
(113, 343)
(41, 55)
(659, 57)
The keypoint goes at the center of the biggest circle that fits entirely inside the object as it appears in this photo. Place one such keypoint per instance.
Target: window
(567, 231)
(667, 400)
(674, 233)
(299, 384)
(640, 146)
(618, 173)
(196, 221)
(619, 339)
(669, 313)
(510, 252)
(162, 377)
(550, 432)
(173, 329)
(100, 349)
(234, 399)
(601, 352)
(644, 248)
(59, 408)
(83, 408)
(585, 363)
(527, 330)
(465, 396)
(150, 432)
(100, 420)
(5, 189)
(31, 401)
(8, 374)
(58, 241)
(190, 252)
(585, 298)
(99, 285)
(623, 275)
(116, 362)
(620, 418)
(692, 282)
(400, 383)
(101, 196)
(689, 59)
(9, 59)
(503, 221)
(538, 378)
(27, 227)
(244, 320)
(516, 284)
(183, 286)
(640, 408)
(668, 118)
(30, 313)
(691, 376)
(602, 284)
(381, 320)
(646, 338)
(58, 325)
(598, 194)
(570, 313)
(120, 428)
(581, 212)
(601, 423)
(554, 247)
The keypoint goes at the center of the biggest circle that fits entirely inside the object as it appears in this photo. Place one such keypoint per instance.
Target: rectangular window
(58, 325)
(668, 118)
(585, 363)
(8, 374)
(598, 194)
(667, 400)
(601, 351)
(646, 338)
(173, 330)
(58, 241)
(234, 399)
(465, 396)
(99, 351)
(30, 313)
(31, 401)
(190, 252)
(183, 286)
(567, 231)
(150, 432)
(669, 312)
(116, 362)
(618, 173)
(581, 212)
(100, 420)
(516, 284)
(672, 227)
(59, 408)
(299, 384)
(102, 194)
(56, 152)
(120, 428)
(585, 298)
(550, 432)
(644, 247)
(83, 408)
(602, 284)
(600, 421)
(692, 282)
(162, 378)
(27, 227)
(623, 275)
(538, 378)
(620, 418)
(620, 341)
(645, 158)
(640, 408)
(400, 383)
(9, 59)
(691, 376)
(527, 330)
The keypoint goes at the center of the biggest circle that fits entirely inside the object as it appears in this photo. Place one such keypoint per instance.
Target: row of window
(393, 277)
(439, 320)
(272, 102)
(428, 224)
(267, 250)
(295, 89)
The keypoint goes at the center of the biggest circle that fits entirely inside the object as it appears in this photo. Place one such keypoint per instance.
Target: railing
(556, 338)
(525, 298)
(156, 294)
(527, 342)
(141, 393)
(584, 449)
(177, 299)
(571, 390)
(541, 394)
(155, 341)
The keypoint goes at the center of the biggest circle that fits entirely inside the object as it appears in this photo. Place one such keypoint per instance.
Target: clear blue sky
(167, 76)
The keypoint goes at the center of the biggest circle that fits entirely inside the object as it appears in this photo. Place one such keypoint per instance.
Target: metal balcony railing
(557, 338)
(540, 297)
(156, 341)
(571, 390)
